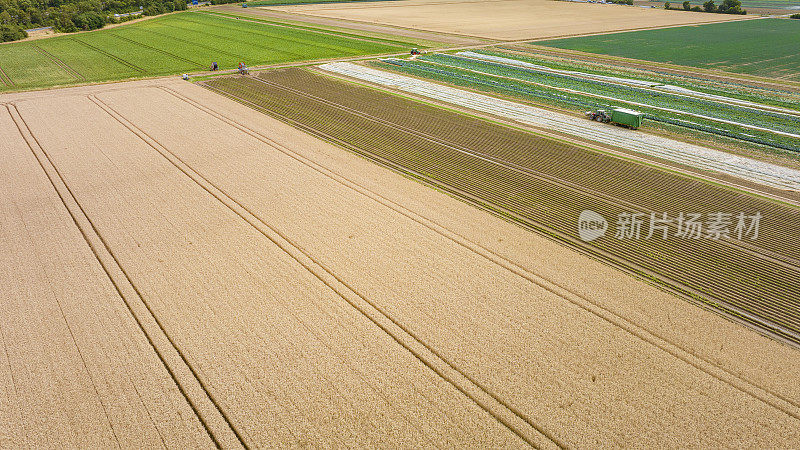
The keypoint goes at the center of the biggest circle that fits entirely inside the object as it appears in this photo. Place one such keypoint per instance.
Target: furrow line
(5, 78)
(557, 160)
(786, 261)
(75, 74)
(116, 58)
(164, 52)
(318, 31)
(174, 361)
(730, 295)
(505, 414)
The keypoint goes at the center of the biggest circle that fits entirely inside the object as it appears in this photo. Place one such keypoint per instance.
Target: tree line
(726, 7)
(68, 16)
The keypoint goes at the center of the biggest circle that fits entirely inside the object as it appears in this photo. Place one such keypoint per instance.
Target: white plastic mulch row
(629, 81)
(660, 147)
(516, 62)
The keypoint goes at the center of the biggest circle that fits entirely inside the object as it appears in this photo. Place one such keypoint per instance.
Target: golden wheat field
(180, 270)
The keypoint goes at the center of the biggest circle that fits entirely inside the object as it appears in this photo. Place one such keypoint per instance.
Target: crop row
(714, 86)
(175, 43)
(527, 90)
(396, 40)
(771, 46)
(545, 184)
(706, 107)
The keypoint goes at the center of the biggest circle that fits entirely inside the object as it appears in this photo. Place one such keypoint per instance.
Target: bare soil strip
(81, 372)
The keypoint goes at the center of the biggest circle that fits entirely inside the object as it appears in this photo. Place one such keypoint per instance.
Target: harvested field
(546, 184)
(340, 24)
(510, 19)
(321, 300)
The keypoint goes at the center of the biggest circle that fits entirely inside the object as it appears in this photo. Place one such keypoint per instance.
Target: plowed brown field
(179, 269)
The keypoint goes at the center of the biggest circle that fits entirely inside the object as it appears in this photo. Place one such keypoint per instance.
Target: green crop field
(764, 47)
(175, 43)
(578, 94)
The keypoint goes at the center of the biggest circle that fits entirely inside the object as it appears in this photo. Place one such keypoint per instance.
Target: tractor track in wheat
(400, 333)
(121, 284)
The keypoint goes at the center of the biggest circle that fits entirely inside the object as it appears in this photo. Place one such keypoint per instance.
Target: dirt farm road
(202, 274)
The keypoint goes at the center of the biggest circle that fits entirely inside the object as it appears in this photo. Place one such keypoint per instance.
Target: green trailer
(626, 117)
(618, 116)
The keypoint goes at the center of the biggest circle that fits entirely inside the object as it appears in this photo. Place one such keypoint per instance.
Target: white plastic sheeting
(657, 146)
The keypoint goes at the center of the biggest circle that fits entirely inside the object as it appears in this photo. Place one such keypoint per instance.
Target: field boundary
(774, 329)
(125, 288)
(482, 397)
(579, 300)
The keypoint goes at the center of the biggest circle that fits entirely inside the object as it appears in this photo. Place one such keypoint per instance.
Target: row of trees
(73, 15)
(727, 7)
